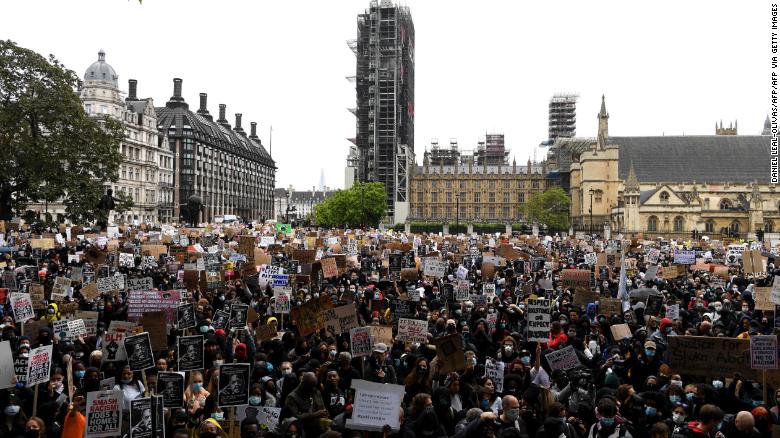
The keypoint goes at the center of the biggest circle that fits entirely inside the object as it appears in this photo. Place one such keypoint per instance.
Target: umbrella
(643, 293)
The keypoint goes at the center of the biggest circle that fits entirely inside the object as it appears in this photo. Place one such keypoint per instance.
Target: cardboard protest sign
(170, 386)
(563, 359)
(39, 367)
(620, 331)
(538, 317)
(711, 357)
(139, 283)
(309, 317)
(584, 296)
(412, 330)
(42, 243)
(141, 415)
(22, 306)
(154, 323)
(381, 334)
(670, 272)
(185, 316)
(575, 278)
(360, 341)
(761, 296)
(774, 296)
(341, 319)
(104, 417)
(329, 268)
(190, 350)
(375, 406)
(113, 340)
(233, 385)
(265, 332)
(753, 263)
(651, 273)
(238, 315)
(61, 289)
(37, 296)
(449, 351)
(610, 306)
(763, 352)
(435, 268)
(139, 351)
(495, 370)
(90, 291)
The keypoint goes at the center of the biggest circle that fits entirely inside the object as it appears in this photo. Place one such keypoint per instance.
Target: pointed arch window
(652, 223)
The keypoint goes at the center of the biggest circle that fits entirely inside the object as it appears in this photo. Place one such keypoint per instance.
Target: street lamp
(591, 210)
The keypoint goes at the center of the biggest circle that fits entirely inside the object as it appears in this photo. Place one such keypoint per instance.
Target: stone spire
(767, 126)
(603, 117)
(632, 183)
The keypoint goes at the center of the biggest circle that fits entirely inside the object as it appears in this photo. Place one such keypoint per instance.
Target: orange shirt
(75, 426)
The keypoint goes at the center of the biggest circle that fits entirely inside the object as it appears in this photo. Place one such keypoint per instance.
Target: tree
(550, 207)
(363, 204)
(51, 149)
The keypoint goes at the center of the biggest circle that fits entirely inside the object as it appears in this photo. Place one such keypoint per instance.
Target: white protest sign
(538, 320)
(282, 296)
(40, 365)
(412, 330)
(495, 371)
(652, 256)
(126, 260)
(462, 290)
(22, 305)
(775, 295)
(563, 359)
(434, 268)
(462, 272)
(104, 417)
(591, 258)
(360, 341)
(375, 406)
(673, 311)
(763, 352)
(489, 290)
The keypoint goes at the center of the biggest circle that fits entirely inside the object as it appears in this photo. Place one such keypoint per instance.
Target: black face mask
(31, 433)
(208, 435)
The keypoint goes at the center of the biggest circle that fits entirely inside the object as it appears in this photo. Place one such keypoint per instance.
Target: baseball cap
(380, 348)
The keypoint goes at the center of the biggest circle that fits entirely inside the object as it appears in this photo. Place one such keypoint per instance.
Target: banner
(40, 365)
(360, 341)
(139, 352)
(575, 278)
(538, 320)
(104, 417)
(233, 385)
(412, 330)
(190, 349)
(375, 406)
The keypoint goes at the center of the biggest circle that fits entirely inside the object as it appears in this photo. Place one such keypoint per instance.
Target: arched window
(664, 197)
(725, 204)
(678, 223)
(652, 223)
(769, 226)
(709, 226)
(734, 227)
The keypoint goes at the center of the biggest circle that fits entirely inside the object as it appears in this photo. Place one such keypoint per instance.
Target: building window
(420, 197)
(477, 212)
(463, 212)
(521, 197)
(433, 184)
(678, 223)
(664, 197)
(769, 227)
(506, 212)
(88, 108)
(449, 196)
(506, 197)
(521, 184)
(652, 223)
(448, 211)
(434, 196)
(492, 197)
(462, 185)
(535, 184)
(709, 226)
(448, 184)
(492, 184)
(476, 197)
(506, 183)
(734, 227)
(434, 212)
(476, 184)
(725, 204)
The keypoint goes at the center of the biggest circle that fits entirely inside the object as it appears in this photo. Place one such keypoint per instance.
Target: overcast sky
(668, 67)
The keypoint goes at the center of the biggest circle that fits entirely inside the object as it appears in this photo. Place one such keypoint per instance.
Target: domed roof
(101, 71)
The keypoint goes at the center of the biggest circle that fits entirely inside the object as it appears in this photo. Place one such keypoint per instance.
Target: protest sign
(7, 369)
(141, 418)
(652, 256)
(170, 386)
(402, 308)
(462, 290)
(375, 406)
(309, 317)
(341, 319)
(238, 315)
(61, 289)
(282, 299)
(673, 311)
(22, 306)
(265, 332)
(651, 273)
(495, 371)
(139, 351)
(563, 359)
(412, 330)
(126, 260)
(381, 334)
(90, 291)
(449, 352)
(610, 306)
(37, 296)
(591, 258)
(753, 263)
(620, 331)
(329, 268)
(103, 410)
(763, 352)
(190, 349)
(221, 320)
(113, 340)
(654, 304)
(185, 316)
(435, 268)
(711, 357)
(143, 301)
(39, 367)
(575, 278)
(360, 341)
(775, 294)
(761, 296)
(462, 272)
(106, 285)
(233, 385)
(20, 368)
(538, 317)
(139, 283)
(684, 257)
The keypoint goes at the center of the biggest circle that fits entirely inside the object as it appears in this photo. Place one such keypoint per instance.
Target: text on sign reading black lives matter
(773, 148)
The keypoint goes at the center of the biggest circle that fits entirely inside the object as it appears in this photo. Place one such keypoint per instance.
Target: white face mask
(677, 383)
(678, 418)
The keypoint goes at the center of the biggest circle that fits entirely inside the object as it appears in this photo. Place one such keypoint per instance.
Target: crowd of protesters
(623, 388)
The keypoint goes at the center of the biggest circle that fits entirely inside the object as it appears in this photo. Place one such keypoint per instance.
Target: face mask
(649, 352)
(675, 398)
(204, 328)
(508, 349)
(219, 362)
(255, 400)
(677, 383)
(80, 374)
(25, 355)
(744, 308)
(422, 370)
(678, 418)
(525, 360)
(127, 381)
(513, 414)
(197, 386)
(58, 388)
(689, 395)
(31, 433)
(650, 411)
(332, 354)
(717, 384)
(484, 404)
(12, 410)
(667, 330)
(608, 421)
(472, 361)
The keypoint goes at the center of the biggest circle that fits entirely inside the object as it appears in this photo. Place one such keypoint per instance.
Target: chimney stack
(253, 131)
(221, 120)
(132, 87)
(176, 101)
(177, 88)
(238, 127)
(203, 110)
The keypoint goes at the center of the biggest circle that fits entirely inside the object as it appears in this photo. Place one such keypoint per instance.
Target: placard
(282, 299)
(113, 340)
(22, 306)
(37, 296)
(221, 320)
(761, 296)
(620, 331)
(381, 334)
(495, 371)
(652, 256)
(763, 352)
(449, 351)
(684, 257)
(143, 301)
(575, 278)
(238, 315)
(462, 290)
(434, 268)
(170, 386)
(185, 316)
(141, 418)
(309, 317)
(140, 283)
(563, 359)
(673, 311)
(103, 410)
(610, 306)
(341, 319)
(40, 365)
(412, 330)
(329, 268)
(139, 351)
(375, 406)
(7, 369)
(190, 350)
(711, 357)
(538, 317)
(360, 341)
(233, 385)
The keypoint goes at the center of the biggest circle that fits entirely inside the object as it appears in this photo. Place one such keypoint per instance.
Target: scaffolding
(562, 116)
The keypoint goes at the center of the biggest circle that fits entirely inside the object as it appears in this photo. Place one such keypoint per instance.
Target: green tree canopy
(50, 148)
(550, 207)
(363, 204)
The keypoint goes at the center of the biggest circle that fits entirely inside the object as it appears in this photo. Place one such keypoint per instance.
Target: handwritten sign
(375, 406)
(360, 341)
(563, 359)
(412, 330)
(538, 320)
